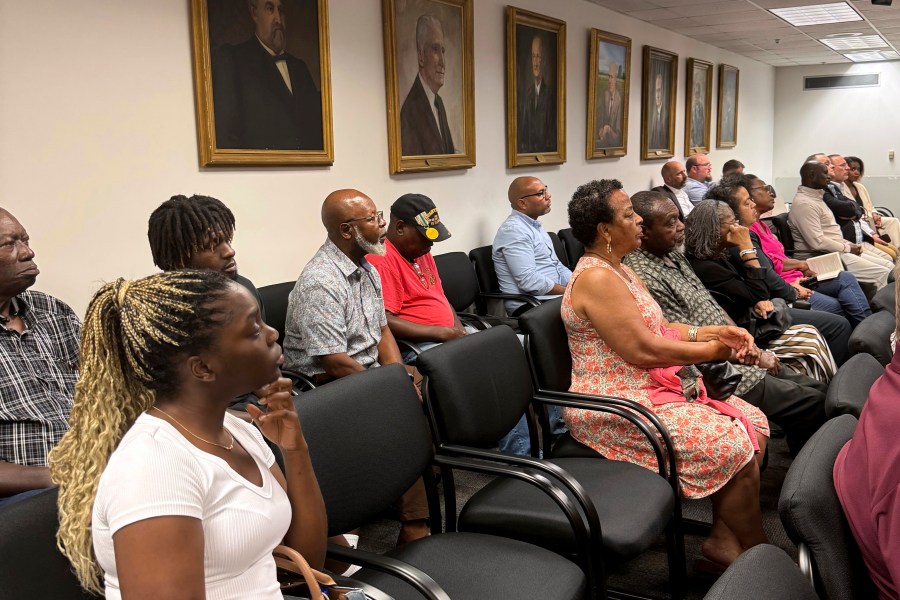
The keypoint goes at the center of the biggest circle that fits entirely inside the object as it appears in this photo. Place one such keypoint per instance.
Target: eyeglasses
(379, 216)
(541, 194)
(768, 188)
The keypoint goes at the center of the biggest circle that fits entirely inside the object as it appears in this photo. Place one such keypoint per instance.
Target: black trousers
(792, 400)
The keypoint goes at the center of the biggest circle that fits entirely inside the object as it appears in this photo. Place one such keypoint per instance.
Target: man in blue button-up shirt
(523, 252)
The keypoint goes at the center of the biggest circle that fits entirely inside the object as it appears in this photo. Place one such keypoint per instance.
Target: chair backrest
(483, 262)
(458, 279)
(812, 515)
(873, 336)
(275, 301)
(885, 299)
(783, 232)
(476, 387)
(574, 248)
(33, 567)
(547, 346)
(849, 388)
(764, 571)
(559, 248)
(368, 441)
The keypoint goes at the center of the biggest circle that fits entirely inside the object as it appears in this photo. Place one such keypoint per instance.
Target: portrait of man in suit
(659, 114)
(698, 111)
(536, 101)
(264, 96)
(424, 127)
(612, 110)
(728, 133)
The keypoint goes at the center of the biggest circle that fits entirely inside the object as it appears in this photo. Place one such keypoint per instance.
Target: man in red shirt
(417, 309)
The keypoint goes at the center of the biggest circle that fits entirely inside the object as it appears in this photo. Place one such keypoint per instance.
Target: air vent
(832, 82)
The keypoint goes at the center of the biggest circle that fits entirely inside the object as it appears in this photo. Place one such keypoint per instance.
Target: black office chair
(559, 248)
(814, 520)
(275, 299)
(33, 567)
(873, 336)
(476, 389)
(369, 442)
(849, 388)
(489, 287)
(574, 248)
(764, 571)
(779, 226)
(885, 299)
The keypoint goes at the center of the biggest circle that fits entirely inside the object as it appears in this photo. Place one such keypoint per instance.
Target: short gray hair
(702, 238)
(422, 25)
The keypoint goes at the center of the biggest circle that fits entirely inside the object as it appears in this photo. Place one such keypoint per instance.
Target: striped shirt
(38, 370)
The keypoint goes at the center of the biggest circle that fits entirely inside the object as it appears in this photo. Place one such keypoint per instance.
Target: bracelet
(692, 334)
(744, 253)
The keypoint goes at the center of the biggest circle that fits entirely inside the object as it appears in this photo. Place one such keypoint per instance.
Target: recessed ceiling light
(817, 14)
(872, 56)
(862, 42)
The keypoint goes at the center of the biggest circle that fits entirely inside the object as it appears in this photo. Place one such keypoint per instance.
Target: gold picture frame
(535, 116)
(698, 101)
(660, 76)
(607, 114)
(253, 108)
(432, 127)
(728, 100)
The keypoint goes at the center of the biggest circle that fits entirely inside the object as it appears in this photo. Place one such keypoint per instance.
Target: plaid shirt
(38, 370)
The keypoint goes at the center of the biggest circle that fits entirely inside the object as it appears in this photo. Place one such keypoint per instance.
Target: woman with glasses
(841, 295)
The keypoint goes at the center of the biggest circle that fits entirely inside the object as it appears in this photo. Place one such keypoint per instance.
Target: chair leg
(677, 559)
(449, 498)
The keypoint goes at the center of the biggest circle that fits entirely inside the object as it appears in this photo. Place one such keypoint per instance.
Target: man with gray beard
(335, 322)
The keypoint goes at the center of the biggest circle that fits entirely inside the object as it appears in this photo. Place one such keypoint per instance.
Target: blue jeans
(841, 296)
(21, 496)
(517, 440)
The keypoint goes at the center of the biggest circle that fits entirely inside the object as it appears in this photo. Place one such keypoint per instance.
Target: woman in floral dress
(633, 352)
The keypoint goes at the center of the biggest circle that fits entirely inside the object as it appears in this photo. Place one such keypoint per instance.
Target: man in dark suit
(659, 118)
(610, 132)
(263, 97)
(675, 177)
(537, 109)
(423, 119)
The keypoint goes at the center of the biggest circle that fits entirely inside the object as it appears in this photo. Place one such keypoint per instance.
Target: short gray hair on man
(422, 26)
(702, 238)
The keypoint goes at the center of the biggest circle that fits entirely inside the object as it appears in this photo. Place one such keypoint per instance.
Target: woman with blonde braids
(160, 488)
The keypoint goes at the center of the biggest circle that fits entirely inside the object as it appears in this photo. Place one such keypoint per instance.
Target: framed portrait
(608, 84)
(262, 82)
(535, 89)
(658, 103)
(696, 112)
(430, 84)
(729, 88)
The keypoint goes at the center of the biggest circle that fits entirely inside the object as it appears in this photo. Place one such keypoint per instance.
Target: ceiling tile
(678, 25)
(741, 17)
(653, 14)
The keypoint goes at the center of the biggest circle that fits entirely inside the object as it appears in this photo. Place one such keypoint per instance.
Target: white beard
(377, 248)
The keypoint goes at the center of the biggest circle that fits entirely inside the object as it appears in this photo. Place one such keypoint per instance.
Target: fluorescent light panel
(873, 56)
(862, 42)
(817, 14)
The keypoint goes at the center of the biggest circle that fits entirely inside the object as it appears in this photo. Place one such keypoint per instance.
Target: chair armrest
(521, 297)
(301, 381)
(418, 579)
(473, 319)
(412, 346)
(801, 304)
(884, 211)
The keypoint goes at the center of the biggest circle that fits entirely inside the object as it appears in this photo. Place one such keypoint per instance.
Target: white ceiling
(746, 27)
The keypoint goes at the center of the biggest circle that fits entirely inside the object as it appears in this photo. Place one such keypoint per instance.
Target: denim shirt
(525, 260)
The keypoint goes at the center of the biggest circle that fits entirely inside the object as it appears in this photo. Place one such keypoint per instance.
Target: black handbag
(720, 379)
(771, 328)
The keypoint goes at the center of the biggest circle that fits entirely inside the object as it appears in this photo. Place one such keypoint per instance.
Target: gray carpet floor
(647, 575)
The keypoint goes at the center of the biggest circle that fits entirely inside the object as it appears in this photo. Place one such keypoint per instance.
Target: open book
(827, 266)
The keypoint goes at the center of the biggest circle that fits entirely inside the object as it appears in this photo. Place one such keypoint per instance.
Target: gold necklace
(228, 447)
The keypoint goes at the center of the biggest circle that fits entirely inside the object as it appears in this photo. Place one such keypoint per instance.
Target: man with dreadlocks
(38, 367)
(196, 233)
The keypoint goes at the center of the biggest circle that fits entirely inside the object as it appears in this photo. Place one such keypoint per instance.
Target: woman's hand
(802, 292)
(279, 423)
(763, 308)
(769, 362)
(736, 338)
(738, 236)
(876, 218)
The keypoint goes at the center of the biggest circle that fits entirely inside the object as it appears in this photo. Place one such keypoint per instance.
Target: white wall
(97, 127)
(861, 122)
